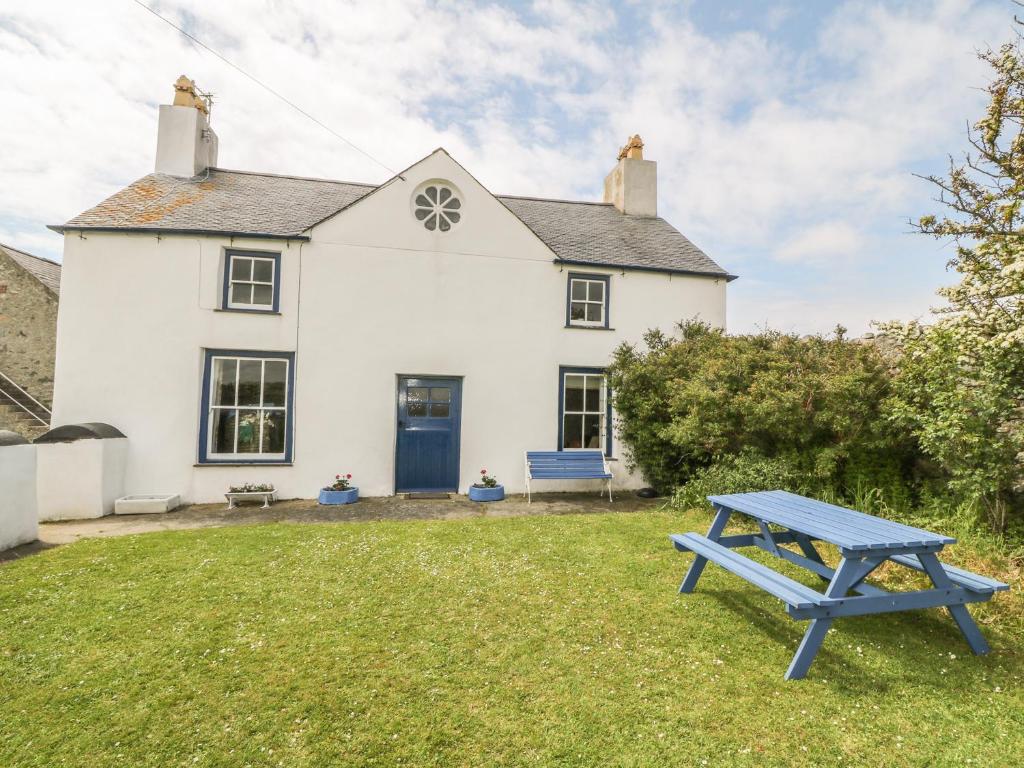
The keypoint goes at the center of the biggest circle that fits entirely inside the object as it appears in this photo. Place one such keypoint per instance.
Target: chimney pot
(186, 144)
(632, 186)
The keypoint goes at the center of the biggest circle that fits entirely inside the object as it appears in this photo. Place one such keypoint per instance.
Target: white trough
(147, 504)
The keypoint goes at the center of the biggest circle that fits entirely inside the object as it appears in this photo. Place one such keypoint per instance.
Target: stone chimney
(186, 144)
(633, 184)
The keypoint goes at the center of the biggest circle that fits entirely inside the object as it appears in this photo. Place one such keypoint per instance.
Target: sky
(787, 134)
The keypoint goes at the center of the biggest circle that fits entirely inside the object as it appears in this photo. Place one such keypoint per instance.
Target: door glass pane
(263, 295)
(594, 313)
(263, 271)
(440, 394)
(273, 431)
(222, 422)
(579, 289)
(241, 293)
(417, 394)
(249, 374)
(574, 393)
(572, 431)
(275, 374)
(592, 431)
(596, 290)
(439, 410)
(241, 268)
(417, 409)
(248, 431)
(577, 311)
(593, 399)
(224, 381)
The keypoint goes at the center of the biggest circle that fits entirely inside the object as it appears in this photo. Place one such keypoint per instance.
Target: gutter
(637, 268)
(61, 229)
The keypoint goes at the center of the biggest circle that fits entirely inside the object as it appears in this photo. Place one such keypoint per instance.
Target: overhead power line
(266, 87)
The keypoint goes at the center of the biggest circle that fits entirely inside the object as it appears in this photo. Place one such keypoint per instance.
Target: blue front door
(427, 452)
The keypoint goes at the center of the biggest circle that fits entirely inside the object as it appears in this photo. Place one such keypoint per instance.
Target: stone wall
(28, 330)
(28, 341)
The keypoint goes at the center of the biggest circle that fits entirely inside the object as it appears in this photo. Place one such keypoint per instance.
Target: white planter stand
(267, 496)
(146, 504)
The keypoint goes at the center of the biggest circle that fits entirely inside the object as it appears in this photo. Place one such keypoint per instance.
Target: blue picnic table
(864, 543)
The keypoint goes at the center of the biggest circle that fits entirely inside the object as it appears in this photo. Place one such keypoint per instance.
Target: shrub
(737, 474)
(814, 404)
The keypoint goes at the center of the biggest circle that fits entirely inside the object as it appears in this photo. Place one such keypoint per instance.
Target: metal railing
(6, 385)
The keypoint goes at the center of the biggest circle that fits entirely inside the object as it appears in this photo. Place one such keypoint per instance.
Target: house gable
(387, 217)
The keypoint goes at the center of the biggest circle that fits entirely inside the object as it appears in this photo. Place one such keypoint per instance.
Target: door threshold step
(426, 496)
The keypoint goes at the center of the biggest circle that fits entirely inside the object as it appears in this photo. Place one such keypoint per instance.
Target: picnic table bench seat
(975, 582)
(567, 465)
(789, 591)
(864, 542)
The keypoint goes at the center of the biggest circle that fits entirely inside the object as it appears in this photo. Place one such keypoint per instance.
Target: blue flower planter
(339, 497)
(497, 493)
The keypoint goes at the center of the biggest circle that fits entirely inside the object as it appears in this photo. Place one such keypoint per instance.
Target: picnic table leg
(810, 552)
(963, 619)
(845, 575)
(697, 566)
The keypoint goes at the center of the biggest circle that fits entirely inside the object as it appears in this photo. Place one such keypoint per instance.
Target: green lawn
(528, 641)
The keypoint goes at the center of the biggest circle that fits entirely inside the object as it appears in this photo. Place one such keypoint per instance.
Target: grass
(531, 641)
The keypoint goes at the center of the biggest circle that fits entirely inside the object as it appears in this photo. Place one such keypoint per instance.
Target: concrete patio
(308, 511)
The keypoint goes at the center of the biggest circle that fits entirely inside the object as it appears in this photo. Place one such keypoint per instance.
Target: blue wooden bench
(567, 465)
(864, 543)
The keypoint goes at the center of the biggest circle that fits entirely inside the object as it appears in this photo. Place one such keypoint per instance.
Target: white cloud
(822, 243)
(764, 150)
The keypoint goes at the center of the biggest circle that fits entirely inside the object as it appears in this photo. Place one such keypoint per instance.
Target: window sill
(243, 464)
(248, 311)
(590, 327)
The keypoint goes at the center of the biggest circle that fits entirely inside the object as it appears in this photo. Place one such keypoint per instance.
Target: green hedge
(731, 413)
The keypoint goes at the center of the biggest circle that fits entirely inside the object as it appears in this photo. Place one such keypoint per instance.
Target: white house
(241, 326)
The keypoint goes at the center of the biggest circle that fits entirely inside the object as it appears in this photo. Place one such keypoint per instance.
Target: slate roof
(45, 271)
(598, 234)
(266, 205)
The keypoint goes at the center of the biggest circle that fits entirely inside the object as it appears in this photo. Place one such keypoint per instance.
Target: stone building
(29, 293)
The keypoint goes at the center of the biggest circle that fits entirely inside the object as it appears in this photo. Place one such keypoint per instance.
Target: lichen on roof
(266, 205)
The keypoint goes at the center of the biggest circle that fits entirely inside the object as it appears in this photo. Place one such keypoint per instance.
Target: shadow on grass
(24, 550)
(919, 645)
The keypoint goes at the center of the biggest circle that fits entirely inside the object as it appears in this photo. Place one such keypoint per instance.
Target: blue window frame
(247, 407)
(584, 409)
(587, 300)
(252, 281)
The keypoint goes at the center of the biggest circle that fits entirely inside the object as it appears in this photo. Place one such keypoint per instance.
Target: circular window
(437, 206)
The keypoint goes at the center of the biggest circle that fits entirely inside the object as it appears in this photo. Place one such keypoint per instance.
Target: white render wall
(19, 523)
(380, 296)
(79, 479)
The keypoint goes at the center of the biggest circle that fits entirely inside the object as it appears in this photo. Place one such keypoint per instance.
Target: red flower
(348, 477)
(483, 471)
(337, 477)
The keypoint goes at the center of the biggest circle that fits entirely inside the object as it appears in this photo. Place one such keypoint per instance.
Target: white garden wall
(19, 523)
(80, 479)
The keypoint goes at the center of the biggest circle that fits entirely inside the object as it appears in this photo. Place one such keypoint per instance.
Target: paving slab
(308, 511)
